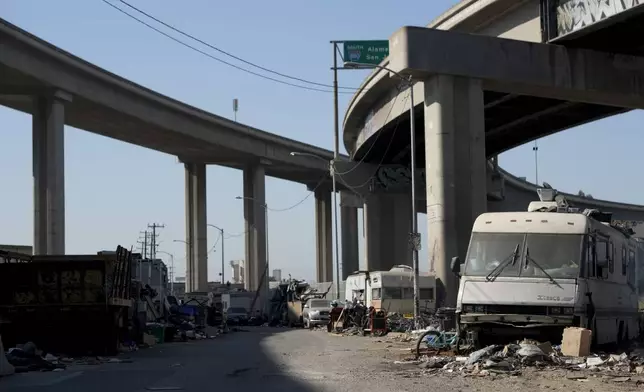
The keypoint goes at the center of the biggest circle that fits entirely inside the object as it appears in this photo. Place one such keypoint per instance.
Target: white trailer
(391, 290)
(237, 299)
(537, 272)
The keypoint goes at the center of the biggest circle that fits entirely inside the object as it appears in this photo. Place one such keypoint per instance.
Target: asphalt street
(282, 359)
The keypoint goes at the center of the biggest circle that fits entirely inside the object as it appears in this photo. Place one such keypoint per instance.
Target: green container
(159, 333)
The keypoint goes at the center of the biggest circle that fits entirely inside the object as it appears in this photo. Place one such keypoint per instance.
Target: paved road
(267, 360)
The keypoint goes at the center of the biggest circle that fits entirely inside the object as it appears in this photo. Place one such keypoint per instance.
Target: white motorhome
(536, 272)
(391, 290)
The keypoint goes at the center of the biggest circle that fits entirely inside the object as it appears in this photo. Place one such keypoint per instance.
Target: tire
(421, 339)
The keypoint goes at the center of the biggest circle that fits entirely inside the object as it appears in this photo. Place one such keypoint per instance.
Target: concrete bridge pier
(323, 236)
(387, 228)
(49, 172)
(255, 213)
(455, 172)
(350, 245)
(196, 228)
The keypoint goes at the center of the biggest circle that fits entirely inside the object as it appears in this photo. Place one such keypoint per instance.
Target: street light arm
(253, 200)
(352, 64)
(216, 227)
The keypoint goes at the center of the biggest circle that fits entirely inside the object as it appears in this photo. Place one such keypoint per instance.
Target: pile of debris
(287, 300)
(511, 358)
(27, 358)
(396, 322)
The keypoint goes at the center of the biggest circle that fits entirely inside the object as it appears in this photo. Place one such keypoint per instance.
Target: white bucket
(6, 368)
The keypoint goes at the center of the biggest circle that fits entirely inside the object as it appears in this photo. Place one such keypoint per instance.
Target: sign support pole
(336, 153)
(378, 51)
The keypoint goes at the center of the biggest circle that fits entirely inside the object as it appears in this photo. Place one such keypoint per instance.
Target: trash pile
(511, 358)
(396, 322)
(287, 301)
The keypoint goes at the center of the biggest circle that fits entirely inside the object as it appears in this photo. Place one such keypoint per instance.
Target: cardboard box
(576, 342)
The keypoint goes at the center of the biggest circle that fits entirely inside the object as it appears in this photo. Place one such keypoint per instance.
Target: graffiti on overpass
(573, 15)
(396, 178)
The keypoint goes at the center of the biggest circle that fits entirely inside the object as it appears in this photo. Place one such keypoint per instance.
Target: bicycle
(440, 340)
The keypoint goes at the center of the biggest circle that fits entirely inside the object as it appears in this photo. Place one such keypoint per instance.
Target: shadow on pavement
(227, 363)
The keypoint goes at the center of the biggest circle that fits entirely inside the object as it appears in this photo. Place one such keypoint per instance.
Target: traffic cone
(6, 369)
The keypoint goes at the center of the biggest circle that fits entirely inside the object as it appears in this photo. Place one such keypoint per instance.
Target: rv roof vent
(546, 194)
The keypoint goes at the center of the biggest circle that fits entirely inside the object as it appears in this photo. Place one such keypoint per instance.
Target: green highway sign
(365, 52)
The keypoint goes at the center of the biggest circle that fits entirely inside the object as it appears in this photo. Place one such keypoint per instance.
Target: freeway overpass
(488, 75)
(60, 89)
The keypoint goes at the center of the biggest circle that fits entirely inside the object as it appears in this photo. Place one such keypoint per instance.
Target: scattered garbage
(510, 359)
(6, 369)
(27, 358)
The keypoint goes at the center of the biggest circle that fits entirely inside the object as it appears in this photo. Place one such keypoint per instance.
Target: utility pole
(144, 251)
(153, 239)
(153, 252)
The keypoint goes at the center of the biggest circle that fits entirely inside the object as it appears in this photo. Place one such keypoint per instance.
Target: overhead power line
(373, 143)
(382, 159)
(211, 46)
(187, 45)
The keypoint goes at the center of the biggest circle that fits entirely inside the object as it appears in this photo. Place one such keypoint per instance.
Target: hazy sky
(289, 36)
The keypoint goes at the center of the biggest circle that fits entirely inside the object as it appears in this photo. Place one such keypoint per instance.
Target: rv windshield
(558, 254)
(489, 250)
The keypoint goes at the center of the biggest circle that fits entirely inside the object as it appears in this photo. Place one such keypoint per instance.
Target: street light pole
(221, 231)
(189, 273)
(170, 277)
(335, 218)
(335, 229)
(414, 237)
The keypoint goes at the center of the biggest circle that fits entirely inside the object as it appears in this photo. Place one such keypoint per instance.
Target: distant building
(237, 271)
(24, 249)
(179, 288)
(277, 275)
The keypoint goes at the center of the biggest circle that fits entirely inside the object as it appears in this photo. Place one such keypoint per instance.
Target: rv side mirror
(455, 266)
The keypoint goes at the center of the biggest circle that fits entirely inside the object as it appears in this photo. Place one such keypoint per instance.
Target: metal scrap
(511, 358)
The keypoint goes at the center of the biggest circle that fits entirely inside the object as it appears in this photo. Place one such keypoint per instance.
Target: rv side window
(624, 260)
(591, 256)
(376, 293)
(427, 293)
(631, 278)
(408, 293)
(601, 254)
(392, 293)
(611, 257)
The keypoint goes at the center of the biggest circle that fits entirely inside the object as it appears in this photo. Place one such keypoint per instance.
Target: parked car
(316, 312)
(237, 316)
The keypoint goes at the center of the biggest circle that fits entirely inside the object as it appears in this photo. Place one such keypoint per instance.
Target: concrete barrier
(6, 368)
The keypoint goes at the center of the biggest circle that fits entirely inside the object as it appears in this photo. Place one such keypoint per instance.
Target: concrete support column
(387, 228)
(455, 172)
(49, 173)
(349, 228)
(256, 262)
(323, 236)
(196, 228)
